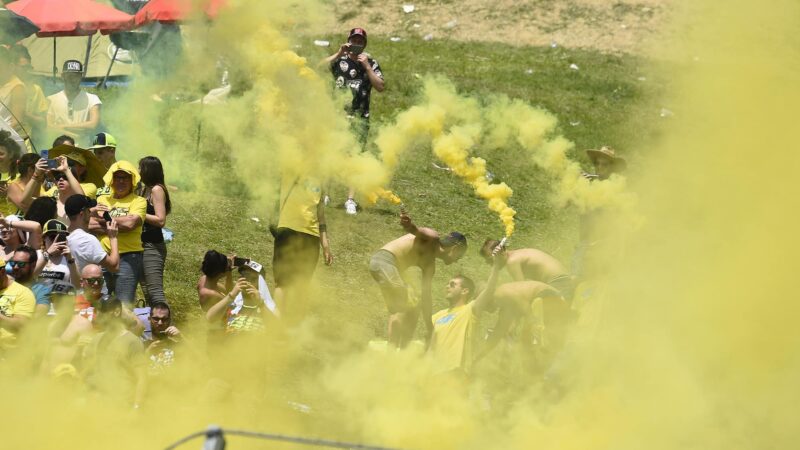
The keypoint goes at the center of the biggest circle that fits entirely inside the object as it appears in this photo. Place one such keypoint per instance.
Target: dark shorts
(295, 256)
(564, 285)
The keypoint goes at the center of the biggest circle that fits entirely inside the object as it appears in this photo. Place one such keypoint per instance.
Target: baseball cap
(358, 32)
(72, 66)
(77, 203)
(102, 140)
(54, 226)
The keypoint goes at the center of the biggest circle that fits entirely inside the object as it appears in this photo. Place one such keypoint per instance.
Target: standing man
(453, 342)
(593, 225)
(356, 70)
(73, 111)
(300, 233)
(419, 248)
(12, 94)
(104, 147)
(85, 247)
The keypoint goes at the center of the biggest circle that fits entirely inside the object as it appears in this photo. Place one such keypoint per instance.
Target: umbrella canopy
(71, 17)
(14, 27)
(170, 11)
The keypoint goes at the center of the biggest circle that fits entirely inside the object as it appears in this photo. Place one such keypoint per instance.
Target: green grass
(604, 101)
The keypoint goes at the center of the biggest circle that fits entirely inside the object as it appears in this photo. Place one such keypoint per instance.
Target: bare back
(412, 251)
(533, 264)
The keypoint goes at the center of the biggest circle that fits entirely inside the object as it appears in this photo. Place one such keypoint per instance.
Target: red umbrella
(169, 11)
(71, 17)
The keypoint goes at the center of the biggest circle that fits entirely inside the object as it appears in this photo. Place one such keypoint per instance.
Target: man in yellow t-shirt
(300, 233)
(17, 304)
(452, 344)
(128, 211)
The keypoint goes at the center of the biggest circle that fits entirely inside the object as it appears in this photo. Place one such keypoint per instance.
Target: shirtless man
(535, 265)
(419, 248)
(520, 300)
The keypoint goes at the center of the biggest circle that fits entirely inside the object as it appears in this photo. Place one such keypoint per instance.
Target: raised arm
(484, 299)
(327, 61)
(424, 234)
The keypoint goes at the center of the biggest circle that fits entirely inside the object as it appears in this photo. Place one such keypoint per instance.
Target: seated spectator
(128, 210)
(73, 111)
(84, 246)
(68, 334)
(60, 266)
(91, 294)
(114, 361)
(160, 346)
(23, 269)
(17, 304)
(244, 309)
(217, 279)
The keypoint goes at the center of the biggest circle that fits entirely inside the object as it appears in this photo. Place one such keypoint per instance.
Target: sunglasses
(451, 284)
(59, 176)
(20, 264)
(95, 280)
(159, 319)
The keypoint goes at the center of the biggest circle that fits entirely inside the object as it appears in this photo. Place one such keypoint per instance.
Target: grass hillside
(607, 101)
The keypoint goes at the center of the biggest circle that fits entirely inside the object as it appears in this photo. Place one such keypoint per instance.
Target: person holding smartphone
(59, 268)
(356, 70)
(128, 211)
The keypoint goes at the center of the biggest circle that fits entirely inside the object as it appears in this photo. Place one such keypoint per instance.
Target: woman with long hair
(154, 190)
(9, 154)
(26, 187)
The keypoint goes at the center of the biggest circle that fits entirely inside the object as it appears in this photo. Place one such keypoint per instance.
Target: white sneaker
(350, 207)
(326, 200)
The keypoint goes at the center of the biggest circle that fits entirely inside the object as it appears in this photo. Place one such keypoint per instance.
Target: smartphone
(44, 154)
(250, 275)
(239, 262)
(106, 216)
(52, 164)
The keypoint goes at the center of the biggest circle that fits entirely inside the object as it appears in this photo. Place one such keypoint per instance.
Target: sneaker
(350, 207)
(326, 200)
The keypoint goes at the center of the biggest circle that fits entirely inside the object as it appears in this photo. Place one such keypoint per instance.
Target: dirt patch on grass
(606, 25)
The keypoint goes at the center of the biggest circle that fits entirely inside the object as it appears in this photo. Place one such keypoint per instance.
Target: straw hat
(609, 154)
(94, 167)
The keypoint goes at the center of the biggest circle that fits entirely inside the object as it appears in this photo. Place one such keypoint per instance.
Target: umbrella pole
(108, 72)
(55, 67)
(86, 58)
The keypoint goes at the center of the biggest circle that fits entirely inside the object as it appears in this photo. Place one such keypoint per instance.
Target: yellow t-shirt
(452, 342)
(299, 200)
(7, 207)
(15, 300)
(131, 205)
